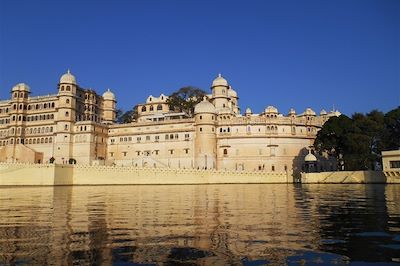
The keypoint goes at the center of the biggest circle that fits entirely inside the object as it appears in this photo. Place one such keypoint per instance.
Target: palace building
(77, 125)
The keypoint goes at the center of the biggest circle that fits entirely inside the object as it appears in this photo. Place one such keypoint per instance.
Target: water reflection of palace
(222, 224)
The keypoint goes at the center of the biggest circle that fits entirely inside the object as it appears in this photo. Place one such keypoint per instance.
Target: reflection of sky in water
(216, 224)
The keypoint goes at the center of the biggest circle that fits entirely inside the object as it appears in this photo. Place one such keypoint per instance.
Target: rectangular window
(156, 152)
(111, 154)
(171, 152)
(186, 151)
(394, 164)
(147, 138)
(138, 153)
(157, 138)
(124, 153)
(138, 139)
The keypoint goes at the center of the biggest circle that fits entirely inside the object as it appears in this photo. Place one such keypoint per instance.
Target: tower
(205, 145)
(109, 102)
(65, 118)
(220, 96)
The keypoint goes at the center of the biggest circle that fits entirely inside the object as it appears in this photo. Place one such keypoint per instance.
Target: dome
(271, 109)
(220, 81)
(248, 111)
(292, 111)
(309, 111)
(310, 157)
(68, 78)
(204, 107)
(108, 95)
(21, 87)
(232, 93)
(323, 112)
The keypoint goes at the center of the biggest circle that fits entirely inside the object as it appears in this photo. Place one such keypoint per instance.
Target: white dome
(271, 109)
(323, 112)
(232, 93)
(292, 111)
(68, 78)
(220, 81)
(309, 111)
(310, 157)
(248, 111)
(204, 107)
(108, 95)
(21, 87)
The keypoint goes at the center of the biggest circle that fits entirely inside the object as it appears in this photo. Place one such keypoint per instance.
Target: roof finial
(219, 75)
(68, 72)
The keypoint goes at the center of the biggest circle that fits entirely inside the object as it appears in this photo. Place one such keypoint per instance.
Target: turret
(109, 111)
(67, 88)
(220, 96)
(205, 141)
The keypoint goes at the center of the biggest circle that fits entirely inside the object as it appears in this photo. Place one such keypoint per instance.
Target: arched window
(143, 108)
(52, 105)
(42, 140)
(151, 108)
(46, 140)
(68, 88)
(62, 88)
(225, 152)
(50, 140)
(67, 101)
(159, 107)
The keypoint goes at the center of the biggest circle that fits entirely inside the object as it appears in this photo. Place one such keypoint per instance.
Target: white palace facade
(77, 125)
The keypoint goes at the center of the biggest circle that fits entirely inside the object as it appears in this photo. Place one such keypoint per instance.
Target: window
(67, 101)
(111, 154)
(225, 152)
(124, 153)
(157, 138)
(147, 138)
(66, 114)
(151, 108)
(201, 129)
(273, 168)
(143, 108)
(201, 117)
(159, 107)
(394, 164)
(186, 151)
(171, 152)
(138, 139)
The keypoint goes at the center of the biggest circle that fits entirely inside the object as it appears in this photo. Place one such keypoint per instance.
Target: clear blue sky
(282, 53)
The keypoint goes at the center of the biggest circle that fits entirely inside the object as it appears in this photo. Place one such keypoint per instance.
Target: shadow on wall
(297, 165)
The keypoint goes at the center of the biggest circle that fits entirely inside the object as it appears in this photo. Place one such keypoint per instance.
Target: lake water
(201, 224)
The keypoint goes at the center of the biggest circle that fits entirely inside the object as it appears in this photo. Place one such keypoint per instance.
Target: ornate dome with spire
(204, 107)
(68, 78)
(109, 95)
(220, 81)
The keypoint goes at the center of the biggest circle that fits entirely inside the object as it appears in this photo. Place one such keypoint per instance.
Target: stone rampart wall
(347, 177)
(49, 174)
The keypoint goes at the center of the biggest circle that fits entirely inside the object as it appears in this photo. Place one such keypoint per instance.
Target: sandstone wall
(357, 177)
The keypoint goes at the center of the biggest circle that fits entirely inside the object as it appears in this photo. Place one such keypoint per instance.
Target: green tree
(185, 99)
(359, 140)
(128, 116)
(391, 133)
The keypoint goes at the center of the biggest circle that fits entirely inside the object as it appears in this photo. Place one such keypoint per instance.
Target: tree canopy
(185, 99)
(360, 139)
(128, 116)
